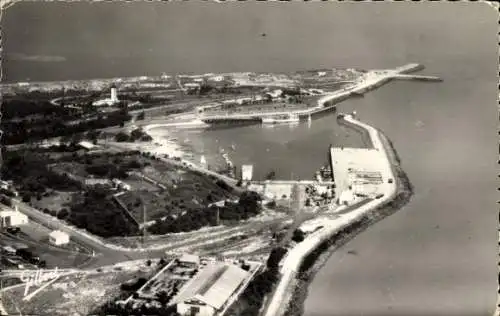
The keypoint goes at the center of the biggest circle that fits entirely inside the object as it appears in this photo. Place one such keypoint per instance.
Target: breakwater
(365, 136)
(369, 81)
(293, 263)
(317, 258)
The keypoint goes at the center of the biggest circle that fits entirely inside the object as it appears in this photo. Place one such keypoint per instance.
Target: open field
(77, 294)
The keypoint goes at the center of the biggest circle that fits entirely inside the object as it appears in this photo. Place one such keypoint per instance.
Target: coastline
(319, 257)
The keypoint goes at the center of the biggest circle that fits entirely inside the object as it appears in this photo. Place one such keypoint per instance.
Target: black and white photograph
(249, 158)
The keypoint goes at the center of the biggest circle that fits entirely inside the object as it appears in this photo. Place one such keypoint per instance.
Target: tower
(114, 95)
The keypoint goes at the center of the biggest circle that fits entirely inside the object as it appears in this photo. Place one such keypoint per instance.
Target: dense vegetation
(137, 134)
(36, 120)
(31, 173)
(194, 219)
(100, 215)
(250, 302)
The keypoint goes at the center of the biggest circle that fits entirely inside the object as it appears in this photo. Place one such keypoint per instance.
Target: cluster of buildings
(12, 218)
(196, 286)
(357, 173)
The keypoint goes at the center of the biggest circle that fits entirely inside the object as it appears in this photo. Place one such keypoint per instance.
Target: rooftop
(58, 234)
(189, 258)
(214, 285)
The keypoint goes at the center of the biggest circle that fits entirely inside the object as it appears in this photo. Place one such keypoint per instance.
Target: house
(12, 218)
(58, 238)
(209, 290)
(87, 145)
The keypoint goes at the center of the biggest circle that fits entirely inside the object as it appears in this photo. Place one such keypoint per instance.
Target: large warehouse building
(209, 291)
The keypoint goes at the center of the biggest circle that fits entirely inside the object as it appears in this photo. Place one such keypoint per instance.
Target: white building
(58, 238)
(246, 172)
(12, 218)
(203, 162)
(209, 290)
(87, 145)
(346, 197)
(189, 260)
(217, 78)
(109, 101)
(121, 185)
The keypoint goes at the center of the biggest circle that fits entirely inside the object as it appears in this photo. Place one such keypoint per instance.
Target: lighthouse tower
(114, 94)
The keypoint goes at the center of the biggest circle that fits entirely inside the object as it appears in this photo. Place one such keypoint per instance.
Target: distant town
(110, 219)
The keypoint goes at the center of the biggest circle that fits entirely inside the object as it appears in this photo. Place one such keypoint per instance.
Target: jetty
(369, 81)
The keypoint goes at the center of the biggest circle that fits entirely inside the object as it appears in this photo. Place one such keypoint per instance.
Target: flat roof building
(209, 290)
(87, 145)
(12, 218)
(58, 238)
(189, 259)
(246, 172)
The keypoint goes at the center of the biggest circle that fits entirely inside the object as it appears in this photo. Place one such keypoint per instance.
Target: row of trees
(137, 134)
(252, 298)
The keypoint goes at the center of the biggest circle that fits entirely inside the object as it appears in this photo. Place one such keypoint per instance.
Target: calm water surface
(437, 256)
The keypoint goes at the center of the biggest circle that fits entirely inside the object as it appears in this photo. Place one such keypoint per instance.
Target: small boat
(282, 119)
(233, 147)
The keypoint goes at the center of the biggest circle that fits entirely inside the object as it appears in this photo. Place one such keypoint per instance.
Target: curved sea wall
(318, 258)
(302, 261)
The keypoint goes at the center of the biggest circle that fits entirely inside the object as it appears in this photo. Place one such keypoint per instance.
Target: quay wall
(409, 68)
(365, 135)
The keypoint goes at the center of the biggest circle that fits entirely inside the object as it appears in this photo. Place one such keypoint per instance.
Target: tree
(298, 235)
(141, 116)
(163, 298)
(271, 204)
(63, 213)
(275, 257)
(26, 197)
(122, 137)
(271, 175)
